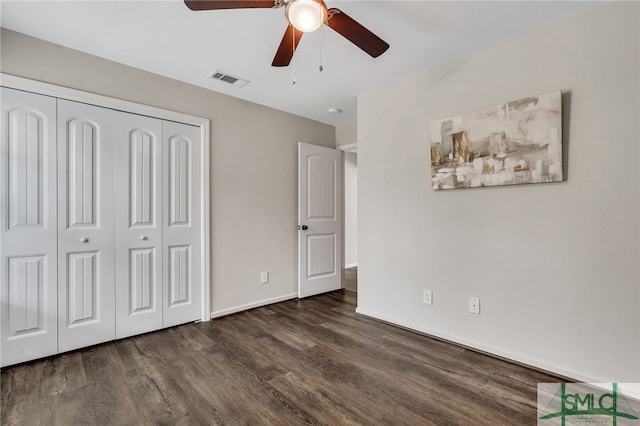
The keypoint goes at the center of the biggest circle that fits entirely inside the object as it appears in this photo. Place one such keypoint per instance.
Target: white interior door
(28, 227)
(319, 220)
(182, 223)
(138, 224)
(86, 297)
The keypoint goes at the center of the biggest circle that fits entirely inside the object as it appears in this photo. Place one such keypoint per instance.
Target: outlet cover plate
(427, 297)
(474, 305)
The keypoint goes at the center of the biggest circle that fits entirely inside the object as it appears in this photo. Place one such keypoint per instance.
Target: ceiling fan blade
(228, 4)
(287, 47)
(356, 33)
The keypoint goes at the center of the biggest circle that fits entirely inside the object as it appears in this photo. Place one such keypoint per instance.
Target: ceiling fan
(303, 16)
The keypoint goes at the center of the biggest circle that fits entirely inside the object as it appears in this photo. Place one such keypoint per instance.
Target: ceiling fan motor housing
(306, 15)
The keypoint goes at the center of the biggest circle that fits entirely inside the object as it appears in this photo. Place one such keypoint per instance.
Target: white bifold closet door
(182, 232)
(28, 227)
(86, 290)
(100, 225)
(138, 219)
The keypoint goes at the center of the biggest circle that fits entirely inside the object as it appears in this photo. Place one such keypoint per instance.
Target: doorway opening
(350, 191)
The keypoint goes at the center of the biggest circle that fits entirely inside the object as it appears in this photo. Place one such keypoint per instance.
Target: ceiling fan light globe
(306, 15)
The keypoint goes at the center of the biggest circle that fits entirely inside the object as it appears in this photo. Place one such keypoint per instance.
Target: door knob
(143, 237)
(304, 227)
(84, 240)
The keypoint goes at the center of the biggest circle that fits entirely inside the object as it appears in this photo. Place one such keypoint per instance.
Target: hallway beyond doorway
(350, 279)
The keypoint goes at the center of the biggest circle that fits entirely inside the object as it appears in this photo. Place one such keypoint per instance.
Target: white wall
(253, 163)
(350, 209)
(556, 265)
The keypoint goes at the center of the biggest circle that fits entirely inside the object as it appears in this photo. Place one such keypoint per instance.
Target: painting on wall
(513, 143)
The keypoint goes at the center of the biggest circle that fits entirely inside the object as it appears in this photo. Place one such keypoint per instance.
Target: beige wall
(556, 266)
(346, 134)
(253, 163)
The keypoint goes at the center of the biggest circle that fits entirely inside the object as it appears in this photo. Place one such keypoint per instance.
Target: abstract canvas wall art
(513, 143)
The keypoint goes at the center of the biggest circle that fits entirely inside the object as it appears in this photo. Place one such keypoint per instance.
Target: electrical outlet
(427, 297)
(474, 305)
(264, 277)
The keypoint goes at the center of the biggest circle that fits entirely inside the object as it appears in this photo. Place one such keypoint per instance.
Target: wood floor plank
(21, 392)
(158, 397)
(62, 374)
(71, 408)
(108, 395)
(300, 362)
(323, 403)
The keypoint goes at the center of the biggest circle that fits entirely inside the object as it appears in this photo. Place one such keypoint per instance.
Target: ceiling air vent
(222, 76)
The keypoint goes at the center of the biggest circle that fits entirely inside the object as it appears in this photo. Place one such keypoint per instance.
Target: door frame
(42, 88)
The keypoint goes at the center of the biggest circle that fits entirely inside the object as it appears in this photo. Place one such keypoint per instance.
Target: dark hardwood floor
(311, 361)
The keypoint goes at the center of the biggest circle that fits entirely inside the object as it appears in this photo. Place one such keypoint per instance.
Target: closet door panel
(182, 228)
(138, 219)
(28, 227)
(86, 293)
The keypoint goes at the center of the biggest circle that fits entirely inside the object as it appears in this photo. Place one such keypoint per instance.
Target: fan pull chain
(293, 63)
(320, 68)
(293, 59)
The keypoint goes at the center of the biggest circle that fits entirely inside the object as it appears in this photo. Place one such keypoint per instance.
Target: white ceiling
(167, 38)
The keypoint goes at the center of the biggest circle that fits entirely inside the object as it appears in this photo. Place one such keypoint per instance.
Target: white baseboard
(519, 358)
(257, 304)
(351, 265)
